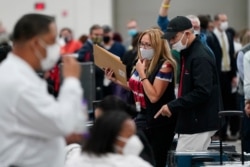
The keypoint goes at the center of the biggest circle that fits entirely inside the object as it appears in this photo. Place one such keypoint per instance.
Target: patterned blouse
(137, 88)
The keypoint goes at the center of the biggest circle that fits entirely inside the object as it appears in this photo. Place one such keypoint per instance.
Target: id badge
(138, 106)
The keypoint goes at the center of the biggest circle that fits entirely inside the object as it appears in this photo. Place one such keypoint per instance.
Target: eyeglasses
(145, 45)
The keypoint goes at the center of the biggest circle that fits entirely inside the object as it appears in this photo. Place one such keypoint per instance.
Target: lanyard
(137, 100)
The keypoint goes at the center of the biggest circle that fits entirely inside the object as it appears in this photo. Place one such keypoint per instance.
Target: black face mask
(67, 39)
(106, 39)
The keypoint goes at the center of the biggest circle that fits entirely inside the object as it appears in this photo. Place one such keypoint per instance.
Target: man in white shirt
(247, 82)
(33, 123)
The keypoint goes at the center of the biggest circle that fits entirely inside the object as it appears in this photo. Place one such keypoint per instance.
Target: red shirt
(71, 47)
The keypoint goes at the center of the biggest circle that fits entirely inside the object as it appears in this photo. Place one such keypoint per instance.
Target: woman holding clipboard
(152, 84)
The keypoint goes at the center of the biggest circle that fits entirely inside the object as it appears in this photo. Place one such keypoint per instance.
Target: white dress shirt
(219, 34)
(32, 122)
(247, 75)
(108, 160)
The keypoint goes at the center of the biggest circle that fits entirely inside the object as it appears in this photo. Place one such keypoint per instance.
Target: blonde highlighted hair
(161, 50)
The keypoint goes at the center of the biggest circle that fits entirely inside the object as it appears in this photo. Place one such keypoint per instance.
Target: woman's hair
(161, 49)
(246, 38)
(104, 133)
(115, 103)
(135, 39)
(242, 32)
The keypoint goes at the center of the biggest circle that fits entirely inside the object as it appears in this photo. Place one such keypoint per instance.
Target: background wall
(81, 14)
(76, 14)
(146, 11)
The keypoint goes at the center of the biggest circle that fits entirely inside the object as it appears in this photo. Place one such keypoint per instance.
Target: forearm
(164, 8)
(149, 90)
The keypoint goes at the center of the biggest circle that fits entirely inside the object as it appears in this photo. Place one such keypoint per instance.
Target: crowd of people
(180, 74)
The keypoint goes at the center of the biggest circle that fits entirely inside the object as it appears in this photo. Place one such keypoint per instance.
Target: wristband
(143, 79)
(165, 5)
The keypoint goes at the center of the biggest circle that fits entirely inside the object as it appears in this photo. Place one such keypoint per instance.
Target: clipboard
(105, 59)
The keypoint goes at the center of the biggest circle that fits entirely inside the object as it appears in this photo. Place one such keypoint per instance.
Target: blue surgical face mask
(132, 32)
(147, 53)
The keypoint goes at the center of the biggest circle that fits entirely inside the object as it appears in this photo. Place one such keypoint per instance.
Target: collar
(218, 33)
(185, 51)
(23, 66)
(90, 41)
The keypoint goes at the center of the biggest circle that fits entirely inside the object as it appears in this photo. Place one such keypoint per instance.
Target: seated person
(112, 142)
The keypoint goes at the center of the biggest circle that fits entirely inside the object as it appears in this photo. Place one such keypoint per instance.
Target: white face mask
(178, 46)
(53, 55)
(147, 53)
(133, 145)
(224, 25)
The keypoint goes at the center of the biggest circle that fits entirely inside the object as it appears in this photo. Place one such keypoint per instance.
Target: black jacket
(200, 101)
(214, 44)
(85, 54)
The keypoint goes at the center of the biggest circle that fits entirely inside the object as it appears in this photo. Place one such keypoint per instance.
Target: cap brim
(169, 35)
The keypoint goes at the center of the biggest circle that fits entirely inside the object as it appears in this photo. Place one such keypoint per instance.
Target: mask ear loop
(38, 54)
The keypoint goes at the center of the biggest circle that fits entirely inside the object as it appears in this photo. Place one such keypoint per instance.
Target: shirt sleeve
(247, 75)
(162, 22)
(166, 75)
(240, 64)
(41, 115)
(82, 52)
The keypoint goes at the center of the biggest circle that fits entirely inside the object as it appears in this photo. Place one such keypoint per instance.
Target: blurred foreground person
(33, 123)
(113, 103)
(4, 50)
(112, 142)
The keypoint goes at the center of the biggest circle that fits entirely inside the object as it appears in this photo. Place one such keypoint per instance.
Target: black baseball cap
(177, 24)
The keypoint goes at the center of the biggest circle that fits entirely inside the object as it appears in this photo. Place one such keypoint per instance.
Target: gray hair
(194, 18)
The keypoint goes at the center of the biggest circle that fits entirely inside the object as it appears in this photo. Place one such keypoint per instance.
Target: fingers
(71, 67)
(158, 114)
(109, 74)
(164, 111)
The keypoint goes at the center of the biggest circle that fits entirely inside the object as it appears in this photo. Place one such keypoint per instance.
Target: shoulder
(119, 45)
(166, 65)
(165, 72)
(247, 56)
(76, 42)
(132, 161)
(72, 150)
(75, 161)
